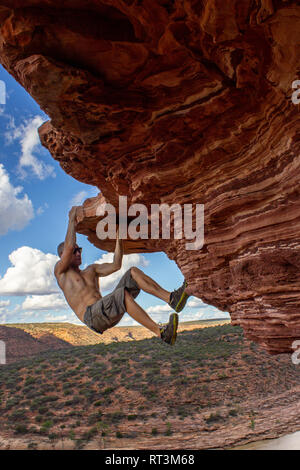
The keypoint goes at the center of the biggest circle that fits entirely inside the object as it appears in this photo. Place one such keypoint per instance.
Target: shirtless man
(81, 289)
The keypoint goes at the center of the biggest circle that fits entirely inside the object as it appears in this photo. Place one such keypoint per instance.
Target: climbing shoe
(169, 331)
(178, 298)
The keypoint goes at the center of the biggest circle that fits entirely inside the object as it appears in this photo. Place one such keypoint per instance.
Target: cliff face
(20, 344)
(180, 102)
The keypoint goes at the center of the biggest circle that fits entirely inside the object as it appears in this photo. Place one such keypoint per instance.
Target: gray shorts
(109, 310)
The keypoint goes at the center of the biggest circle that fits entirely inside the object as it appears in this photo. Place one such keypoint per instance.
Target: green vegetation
(97, 391)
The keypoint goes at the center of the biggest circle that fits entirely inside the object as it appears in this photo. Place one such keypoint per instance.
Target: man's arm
(70, 242)
(105, 269)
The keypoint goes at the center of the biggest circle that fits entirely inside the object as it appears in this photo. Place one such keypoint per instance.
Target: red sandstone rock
(20, 344)
(180, 102)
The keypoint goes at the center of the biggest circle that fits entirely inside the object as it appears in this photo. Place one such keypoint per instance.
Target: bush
(168, 432)
(46, 426)
(90, 433)
(132, 417)
(21, 429)
(18, 415)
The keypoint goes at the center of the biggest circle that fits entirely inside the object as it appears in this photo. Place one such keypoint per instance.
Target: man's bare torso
(80, 289)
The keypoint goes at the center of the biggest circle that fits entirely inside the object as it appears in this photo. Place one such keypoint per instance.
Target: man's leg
(176, 299)
(138, 314)
(167, 333)
(148, 284)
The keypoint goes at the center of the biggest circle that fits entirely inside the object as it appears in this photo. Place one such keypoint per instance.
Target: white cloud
(3, 318)
(111, 281)
(58, 318)
(3, 306)
(45, 302)
(41, 209)
(15, 212)
(159, 309)
(31, 273)
(209, 313)
(27, 135)
(196, 303)
(79, 198)
(128, 321)
(28, 314)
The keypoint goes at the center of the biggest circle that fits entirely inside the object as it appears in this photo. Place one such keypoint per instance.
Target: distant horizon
(207, 320)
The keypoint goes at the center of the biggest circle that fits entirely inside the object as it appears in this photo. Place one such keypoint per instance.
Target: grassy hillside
(138, 389)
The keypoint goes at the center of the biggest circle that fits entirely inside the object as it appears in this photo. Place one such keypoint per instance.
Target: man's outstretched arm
(105, 269)
(69, 245)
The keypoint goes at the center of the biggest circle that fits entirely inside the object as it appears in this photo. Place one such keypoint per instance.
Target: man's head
(76, 258)
(60, 249)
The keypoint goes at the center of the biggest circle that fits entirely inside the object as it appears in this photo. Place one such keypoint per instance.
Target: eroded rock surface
(180, 102)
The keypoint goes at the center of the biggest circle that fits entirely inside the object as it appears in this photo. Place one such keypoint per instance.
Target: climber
(81, 289)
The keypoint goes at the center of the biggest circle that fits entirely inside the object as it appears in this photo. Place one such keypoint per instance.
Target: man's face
(77, 255)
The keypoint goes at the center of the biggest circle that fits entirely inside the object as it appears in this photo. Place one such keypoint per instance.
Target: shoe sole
(182, 301)
(175, 326)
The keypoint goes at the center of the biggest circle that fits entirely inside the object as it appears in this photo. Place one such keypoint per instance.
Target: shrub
(21, 429)
(18, 415)
(46, 426)
(90, 433)
(132, 417)
(168, 431)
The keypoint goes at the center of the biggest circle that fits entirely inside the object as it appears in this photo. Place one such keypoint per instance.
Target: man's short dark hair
(60, 248)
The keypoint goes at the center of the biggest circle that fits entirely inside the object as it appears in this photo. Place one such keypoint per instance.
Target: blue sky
(35, 198)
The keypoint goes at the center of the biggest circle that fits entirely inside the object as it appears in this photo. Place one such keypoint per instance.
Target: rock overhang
(180, 102)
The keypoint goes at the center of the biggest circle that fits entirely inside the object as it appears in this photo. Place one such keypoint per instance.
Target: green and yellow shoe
(169, 331)
(179, 298)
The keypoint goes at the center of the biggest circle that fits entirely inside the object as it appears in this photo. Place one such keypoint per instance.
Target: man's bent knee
(134, 270)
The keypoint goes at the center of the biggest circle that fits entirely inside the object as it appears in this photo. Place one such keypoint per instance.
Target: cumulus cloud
(27, 135)
(31, 273)
(111, 281)
(159, 309)
(15, 211)
(45, 302)
(196, 303)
